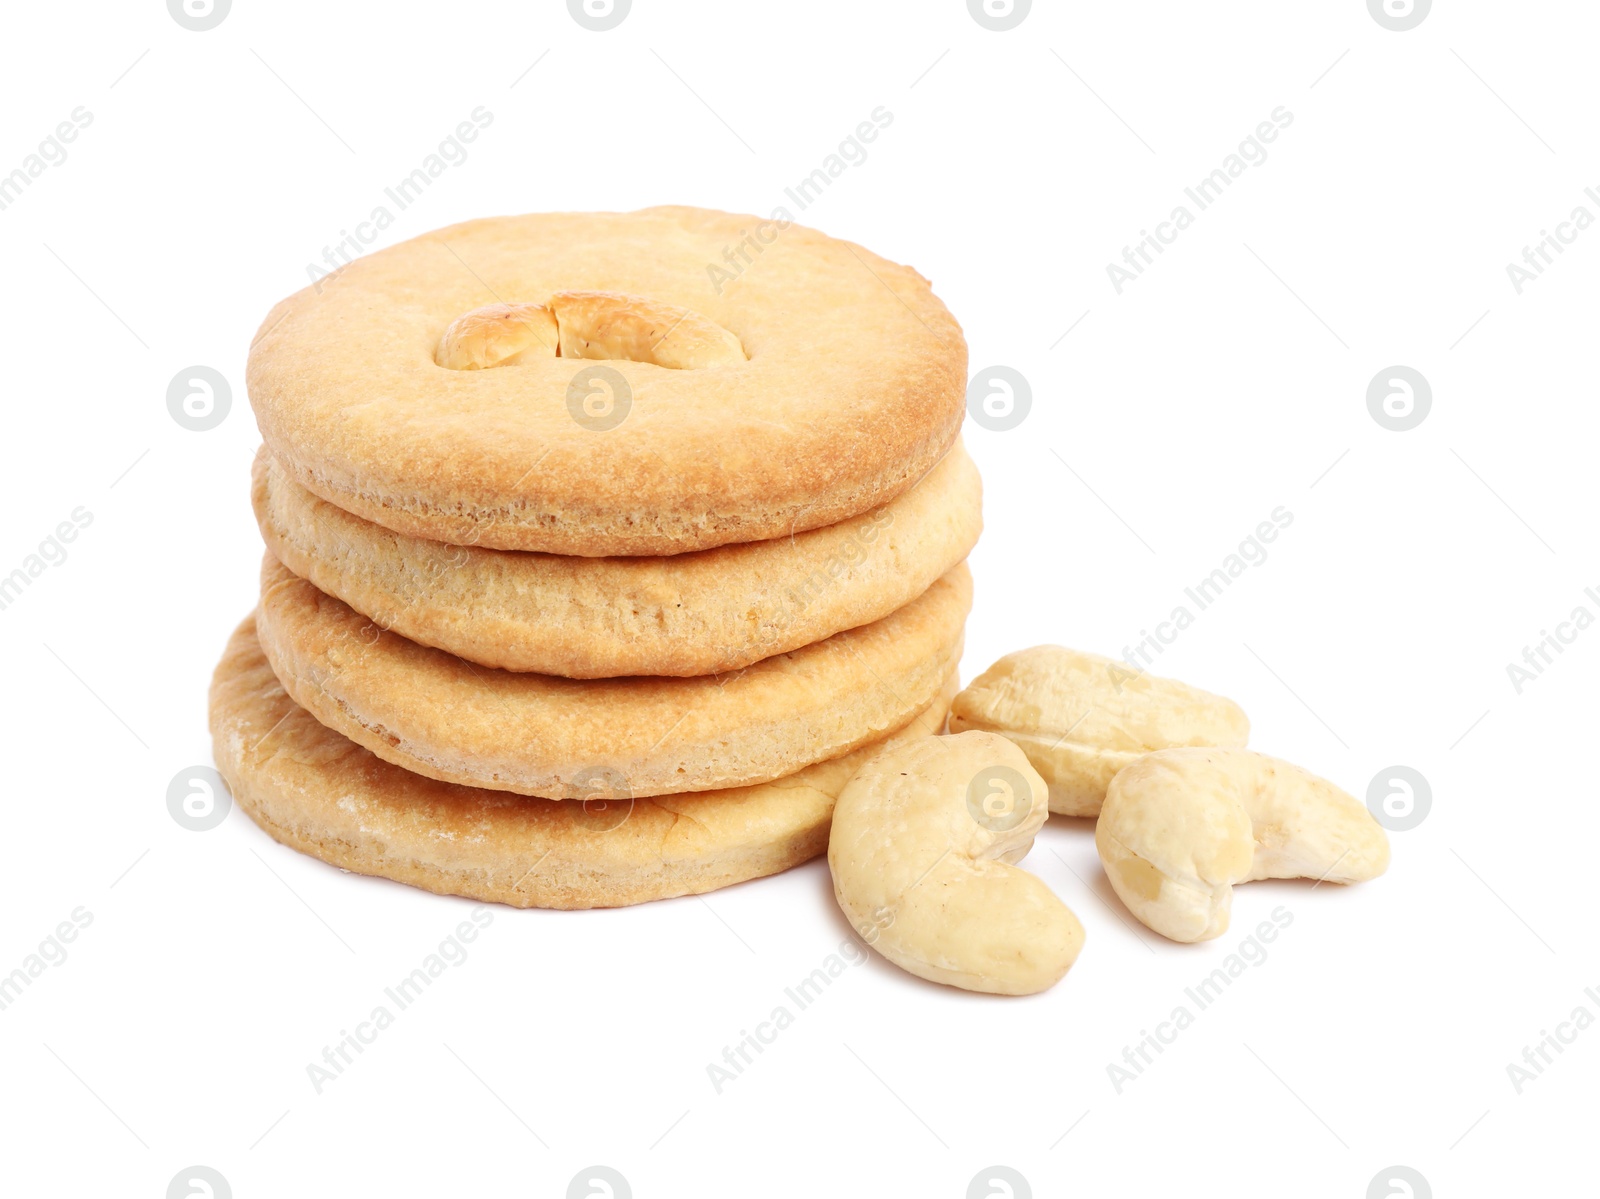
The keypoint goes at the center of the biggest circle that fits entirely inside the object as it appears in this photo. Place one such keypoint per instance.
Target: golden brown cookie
(431, 387)
(441, 716)
(318, 792)
(585, 618)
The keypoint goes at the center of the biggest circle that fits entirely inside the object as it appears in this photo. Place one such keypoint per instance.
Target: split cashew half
(498, 335)
(587, 324)
(1181, 826)
(1080, 718)
(923, 851)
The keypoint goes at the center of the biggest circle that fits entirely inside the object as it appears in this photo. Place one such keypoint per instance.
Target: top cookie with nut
(1080, 718)
(617, 398)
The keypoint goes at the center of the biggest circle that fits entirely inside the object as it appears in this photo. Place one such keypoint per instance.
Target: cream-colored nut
(602, 324)
(1080, 718)
(1181, 826)
(924, 848)
(587, 324)
(498, 335)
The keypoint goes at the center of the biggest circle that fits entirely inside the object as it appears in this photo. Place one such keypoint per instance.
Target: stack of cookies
(591, 579)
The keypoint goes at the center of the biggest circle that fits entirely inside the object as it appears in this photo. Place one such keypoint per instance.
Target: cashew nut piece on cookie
(587, 324)
(1080, 718)
(1181, 826)
(924, 848)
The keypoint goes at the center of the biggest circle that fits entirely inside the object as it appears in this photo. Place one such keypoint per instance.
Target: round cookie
(586, 618)
(314, 790)
(441, 716)
(840, 382)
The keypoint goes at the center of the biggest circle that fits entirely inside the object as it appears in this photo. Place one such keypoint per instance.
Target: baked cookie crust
(853, 386)
(439, 715)
(584, 618)
(320, 793)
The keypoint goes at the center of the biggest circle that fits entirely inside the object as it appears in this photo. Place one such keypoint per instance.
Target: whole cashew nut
(1080, 718)
(1181, 826)
(923, 851)
(587, 324)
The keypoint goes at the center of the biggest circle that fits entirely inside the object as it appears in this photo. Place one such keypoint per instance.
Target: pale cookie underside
(441, 716)
(682, 615)
(854, 387)
(316, 791)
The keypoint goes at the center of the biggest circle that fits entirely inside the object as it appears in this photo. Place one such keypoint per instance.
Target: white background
(1229, 380)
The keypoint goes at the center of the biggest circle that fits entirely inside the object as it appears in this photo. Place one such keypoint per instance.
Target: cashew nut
(1080, 718)
(1181, 826)
(498, 335)
(602, 324)
(587, 324)
(923, 850)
